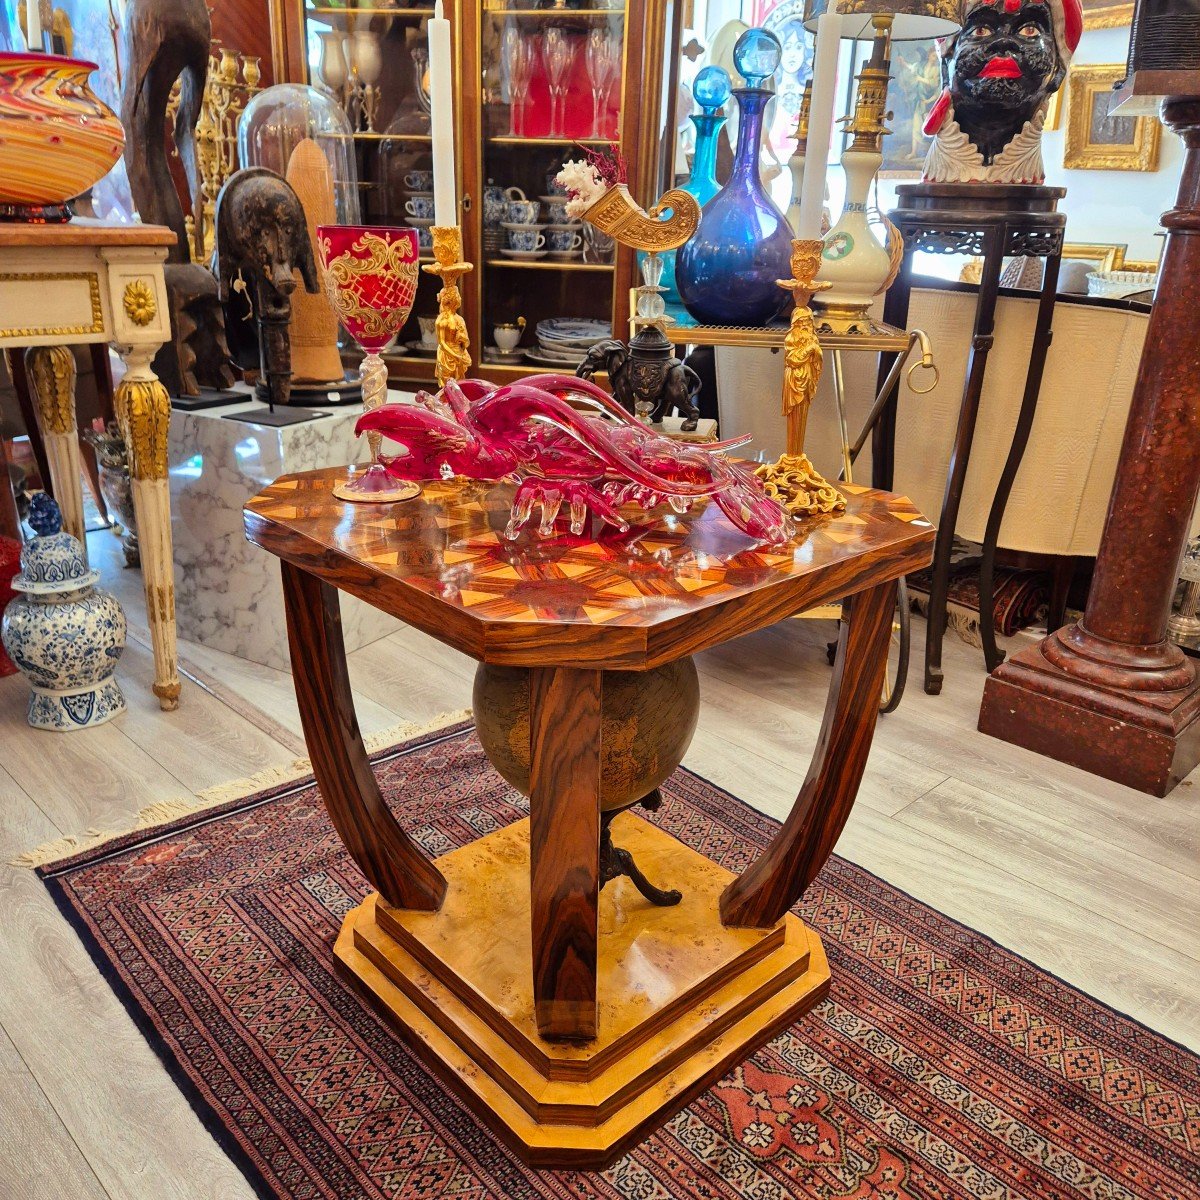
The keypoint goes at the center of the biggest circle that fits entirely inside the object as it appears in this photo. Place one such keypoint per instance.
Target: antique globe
(647, 719)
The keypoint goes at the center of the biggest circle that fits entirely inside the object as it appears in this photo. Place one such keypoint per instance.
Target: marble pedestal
(228, 593)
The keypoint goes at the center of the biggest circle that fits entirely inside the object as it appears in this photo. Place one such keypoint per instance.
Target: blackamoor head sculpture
(998, 74)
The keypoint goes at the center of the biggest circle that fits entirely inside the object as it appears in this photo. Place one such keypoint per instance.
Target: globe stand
(616, 861)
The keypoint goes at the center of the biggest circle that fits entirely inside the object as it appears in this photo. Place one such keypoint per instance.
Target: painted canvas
(916, 82)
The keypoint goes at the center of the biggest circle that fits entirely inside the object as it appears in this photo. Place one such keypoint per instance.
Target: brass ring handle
(928, 364)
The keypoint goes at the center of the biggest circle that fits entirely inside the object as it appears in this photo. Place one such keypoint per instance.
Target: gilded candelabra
(454, 345)
(232, 80)
(793, 480)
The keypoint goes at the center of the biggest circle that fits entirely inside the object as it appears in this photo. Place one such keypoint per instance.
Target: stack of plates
(565, 341)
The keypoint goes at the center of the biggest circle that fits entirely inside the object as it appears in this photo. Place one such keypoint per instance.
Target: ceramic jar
(63, 632)
(115, 485)
(57, 137)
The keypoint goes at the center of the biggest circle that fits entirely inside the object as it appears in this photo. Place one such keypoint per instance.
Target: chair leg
(1061, 578)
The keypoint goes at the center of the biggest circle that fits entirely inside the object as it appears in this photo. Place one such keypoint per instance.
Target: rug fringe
(163, 812)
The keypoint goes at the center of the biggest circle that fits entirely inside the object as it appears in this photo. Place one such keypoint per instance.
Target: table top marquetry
(633, 601)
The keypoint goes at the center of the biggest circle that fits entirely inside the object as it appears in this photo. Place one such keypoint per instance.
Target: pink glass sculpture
(566, 461)
(370, 274)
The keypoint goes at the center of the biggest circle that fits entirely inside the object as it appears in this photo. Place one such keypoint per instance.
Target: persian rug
(941, 1066)
(1021, 598)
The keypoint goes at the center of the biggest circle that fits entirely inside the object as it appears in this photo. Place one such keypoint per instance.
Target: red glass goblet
(370, 274)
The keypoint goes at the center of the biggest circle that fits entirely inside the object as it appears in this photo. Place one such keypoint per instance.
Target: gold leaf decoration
(140, 306)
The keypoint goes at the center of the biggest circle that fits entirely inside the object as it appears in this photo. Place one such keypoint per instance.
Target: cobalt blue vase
(726, 273)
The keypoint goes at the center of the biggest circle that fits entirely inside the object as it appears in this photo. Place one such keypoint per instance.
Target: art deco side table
(85, 282)
(573, 1004)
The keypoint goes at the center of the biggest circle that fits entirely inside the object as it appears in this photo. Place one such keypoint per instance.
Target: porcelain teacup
(424, 238)
(563, 240)
(526, 237)
(494, 204)
(428, 330)
(419, 206)
(520, 212)
(556, 211)
(419, 181)
(508, 335)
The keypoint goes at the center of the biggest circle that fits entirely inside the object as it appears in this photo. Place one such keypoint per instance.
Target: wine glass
(370, 276)
(611, 61)
(519, 54)
(558, 53)
(596, 61)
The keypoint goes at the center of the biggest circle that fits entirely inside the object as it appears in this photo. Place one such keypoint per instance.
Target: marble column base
(228, 594)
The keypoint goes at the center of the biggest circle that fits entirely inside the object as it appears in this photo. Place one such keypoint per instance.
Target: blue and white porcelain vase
(64, 633)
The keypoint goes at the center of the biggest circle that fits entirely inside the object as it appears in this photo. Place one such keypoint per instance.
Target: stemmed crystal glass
(520, 54)
(558, 53)
(370, 276)
(602, 57)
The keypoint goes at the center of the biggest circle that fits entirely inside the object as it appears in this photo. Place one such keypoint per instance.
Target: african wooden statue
(166, 40)
(262, 235)
(998, 74)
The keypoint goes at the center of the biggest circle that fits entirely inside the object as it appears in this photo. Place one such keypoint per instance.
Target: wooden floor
(1094, 882)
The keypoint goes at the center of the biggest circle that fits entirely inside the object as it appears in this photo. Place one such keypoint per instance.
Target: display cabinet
(538, 81)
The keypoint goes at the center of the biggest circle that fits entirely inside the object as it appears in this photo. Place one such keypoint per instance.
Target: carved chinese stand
(580, 976)
(996, 221)
(1109, 693)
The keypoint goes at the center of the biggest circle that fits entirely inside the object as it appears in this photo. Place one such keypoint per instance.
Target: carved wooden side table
(572, 1004)
(996, 221)
(86, 282)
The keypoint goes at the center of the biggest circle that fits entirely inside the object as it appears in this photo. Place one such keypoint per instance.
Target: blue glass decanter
(726, 273)
(710, 89)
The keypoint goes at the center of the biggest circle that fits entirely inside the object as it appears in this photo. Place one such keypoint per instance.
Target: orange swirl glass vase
(57, 137)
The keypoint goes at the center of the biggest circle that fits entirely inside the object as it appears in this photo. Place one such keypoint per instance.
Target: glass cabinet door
(551, 76)
(374, 60)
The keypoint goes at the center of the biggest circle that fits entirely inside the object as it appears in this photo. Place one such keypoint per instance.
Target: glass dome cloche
(279, 118)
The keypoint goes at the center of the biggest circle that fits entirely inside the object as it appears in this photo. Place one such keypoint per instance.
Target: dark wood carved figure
(655, 379)
(262, 235)
(166, 40)
(998, 75)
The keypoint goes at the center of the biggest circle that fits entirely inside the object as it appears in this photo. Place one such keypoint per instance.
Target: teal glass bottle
(711, 89)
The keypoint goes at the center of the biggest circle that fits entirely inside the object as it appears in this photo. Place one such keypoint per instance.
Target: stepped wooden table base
(574, 1019)
(681, 997)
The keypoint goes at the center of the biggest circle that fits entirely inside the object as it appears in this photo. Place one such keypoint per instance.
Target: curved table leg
(564, 848)
(1043, 334)
(765, 891)
(386, 855)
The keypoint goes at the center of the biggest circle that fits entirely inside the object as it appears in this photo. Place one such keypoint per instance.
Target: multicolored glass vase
(710, 89)
(57, 137)
(726, 273)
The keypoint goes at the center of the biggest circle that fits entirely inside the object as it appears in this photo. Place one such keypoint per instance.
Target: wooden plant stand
(575, 1017)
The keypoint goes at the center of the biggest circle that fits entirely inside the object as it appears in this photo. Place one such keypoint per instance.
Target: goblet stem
(596, 96)
(374, 392)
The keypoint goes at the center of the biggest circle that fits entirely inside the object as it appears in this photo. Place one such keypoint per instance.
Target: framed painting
(1097, 140)
(1103, 14)
(916, 84)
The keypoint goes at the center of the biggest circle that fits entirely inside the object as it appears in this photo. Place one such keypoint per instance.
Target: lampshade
(913, 20)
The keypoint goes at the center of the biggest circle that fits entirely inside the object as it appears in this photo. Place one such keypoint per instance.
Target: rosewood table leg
(765, 891)
(386, 855)
(564, 848)
(960, 454)
(1043, 334)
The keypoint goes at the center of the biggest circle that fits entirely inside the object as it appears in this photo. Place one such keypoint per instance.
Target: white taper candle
(820, 127)
(441, 88)
(33, 20)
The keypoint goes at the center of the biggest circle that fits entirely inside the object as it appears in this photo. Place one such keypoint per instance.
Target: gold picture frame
(1096, 141)
(1108, 256)
(1100, 15)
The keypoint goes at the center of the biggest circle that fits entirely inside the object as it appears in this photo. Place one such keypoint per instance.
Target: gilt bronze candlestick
(454, 344)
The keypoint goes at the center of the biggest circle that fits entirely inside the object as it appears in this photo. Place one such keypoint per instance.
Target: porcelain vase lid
(53, 561)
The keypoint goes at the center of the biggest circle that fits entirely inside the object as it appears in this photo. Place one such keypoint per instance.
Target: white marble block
(228, 593)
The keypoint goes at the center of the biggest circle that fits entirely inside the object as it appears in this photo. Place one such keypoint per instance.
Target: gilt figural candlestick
(453, 342)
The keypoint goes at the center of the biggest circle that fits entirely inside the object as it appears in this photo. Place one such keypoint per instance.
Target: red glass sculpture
(370, 274)
(567, 462)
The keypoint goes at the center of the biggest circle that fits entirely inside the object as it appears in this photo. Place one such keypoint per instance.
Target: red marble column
(1109, 693)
